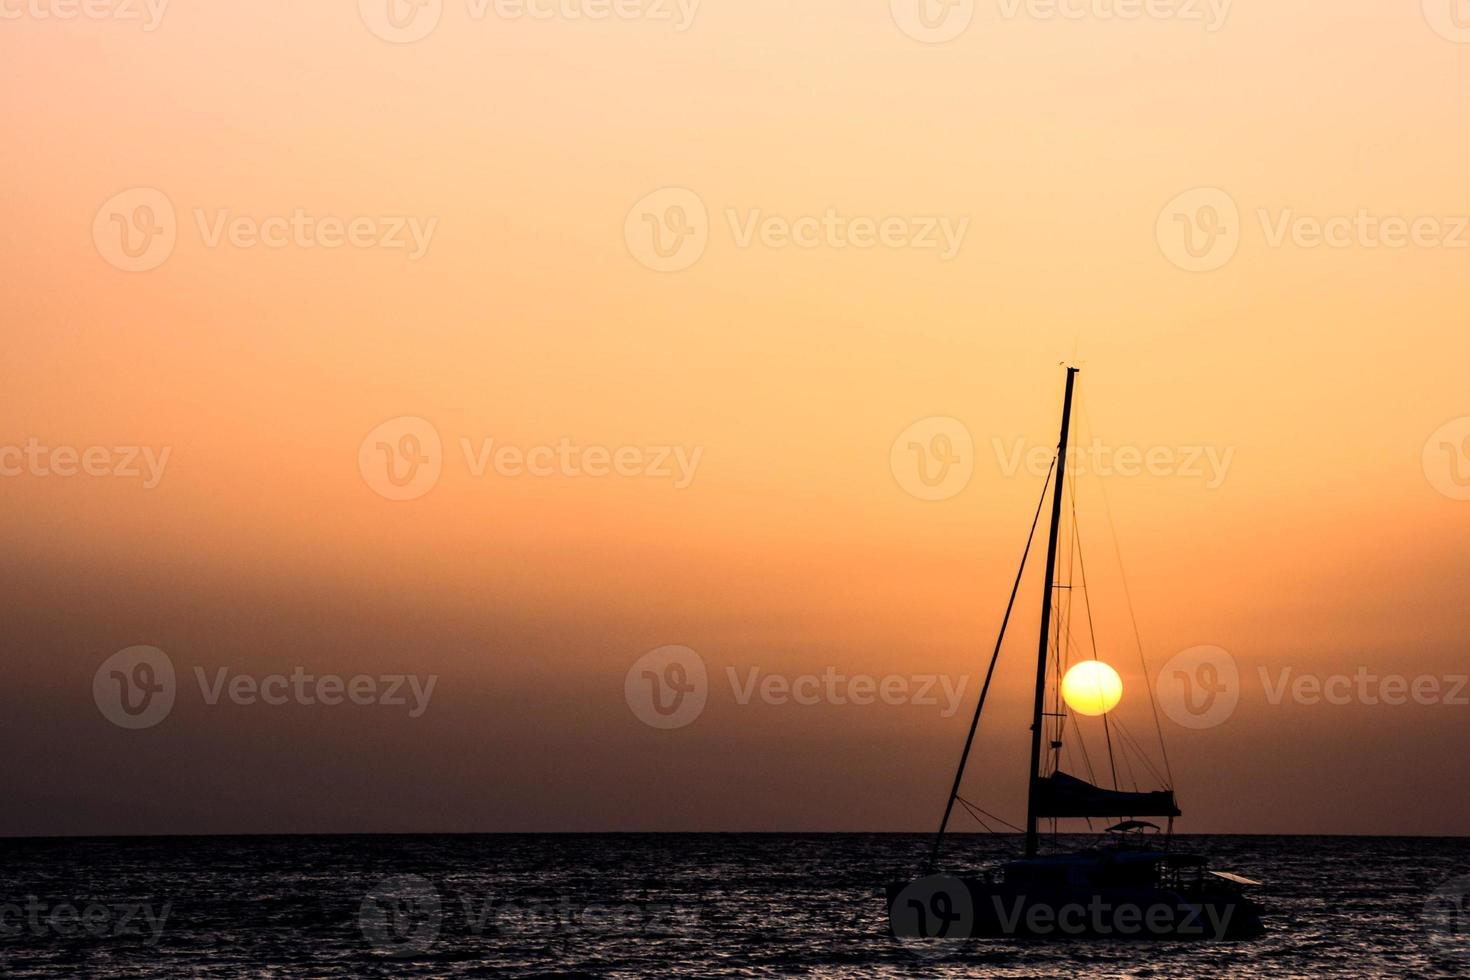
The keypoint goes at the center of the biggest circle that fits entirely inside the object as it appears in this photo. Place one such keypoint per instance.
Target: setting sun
(1092, 688)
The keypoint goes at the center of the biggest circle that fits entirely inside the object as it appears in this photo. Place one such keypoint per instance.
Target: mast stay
(959, 773)
(1033, 790)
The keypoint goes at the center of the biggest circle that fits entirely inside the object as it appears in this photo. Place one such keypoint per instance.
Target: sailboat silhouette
(1132, 887)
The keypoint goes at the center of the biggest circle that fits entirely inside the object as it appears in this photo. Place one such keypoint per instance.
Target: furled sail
(1061, 795)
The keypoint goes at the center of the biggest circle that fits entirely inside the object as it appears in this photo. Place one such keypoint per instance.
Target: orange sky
(531, 317)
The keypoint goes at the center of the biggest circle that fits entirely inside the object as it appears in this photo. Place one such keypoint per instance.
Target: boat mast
(1048, 587)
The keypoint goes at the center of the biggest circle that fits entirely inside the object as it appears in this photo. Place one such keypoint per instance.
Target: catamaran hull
(951, 908)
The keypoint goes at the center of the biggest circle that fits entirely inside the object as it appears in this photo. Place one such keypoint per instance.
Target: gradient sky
(1328, 545)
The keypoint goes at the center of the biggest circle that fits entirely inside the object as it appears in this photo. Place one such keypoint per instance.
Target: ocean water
(613, 905)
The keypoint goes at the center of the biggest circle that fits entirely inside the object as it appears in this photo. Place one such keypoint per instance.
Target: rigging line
(1060, 709)
(1063, 633)
(1130, 749)
(1000, 820)
(1062, 640)
(1082, 744)
(990, 671)
(1082, 570)
(1091, 624)
(1073, 555)
(1058, 720)
(1136, 746)
(977, 818)
(971, 810)
(1126, 753)
(1131, 741)
(1071, 756)
(1054, 658)
(1133, 617)
(1112, 762)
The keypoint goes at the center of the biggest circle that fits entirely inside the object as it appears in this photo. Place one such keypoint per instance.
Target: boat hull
(943, 907)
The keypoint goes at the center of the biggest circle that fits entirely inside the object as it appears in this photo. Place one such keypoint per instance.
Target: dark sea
(706, 905)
